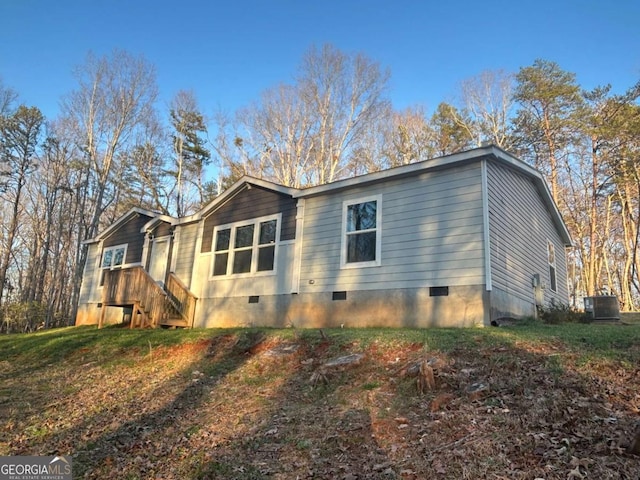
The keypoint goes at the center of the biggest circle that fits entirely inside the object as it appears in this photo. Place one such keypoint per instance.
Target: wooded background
(112, 147)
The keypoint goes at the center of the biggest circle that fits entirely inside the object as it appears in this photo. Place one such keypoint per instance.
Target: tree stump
(426, 381)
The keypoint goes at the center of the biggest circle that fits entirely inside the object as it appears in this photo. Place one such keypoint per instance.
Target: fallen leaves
(246, 407)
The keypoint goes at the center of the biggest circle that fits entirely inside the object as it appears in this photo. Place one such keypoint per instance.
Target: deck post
(153, 305)
(103, 308)
(103, 312)
(135, 315)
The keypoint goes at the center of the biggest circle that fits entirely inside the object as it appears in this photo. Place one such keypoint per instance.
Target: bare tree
(115, 96)
(410, 139)
(278, 131)
(8, 97)
(488, 99)
(347, 94)
(50, 210)
(19, 137)
(313, 131)
(151, 184)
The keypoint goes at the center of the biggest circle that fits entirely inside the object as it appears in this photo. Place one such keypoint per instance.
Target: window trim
(255, 247)
(113, 248)
(553, 279)
(101, 269)
(378, 230)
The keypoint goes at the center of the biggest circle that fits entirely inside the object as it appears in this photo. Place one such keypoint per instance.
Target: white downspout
(486, 232)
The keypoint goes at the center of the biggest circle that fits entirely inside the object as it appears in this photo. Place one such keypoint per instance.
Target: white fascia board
(159, 218)
(115, 225)
(244, 182)
(391, 173)
(270, 185)
(543, 188)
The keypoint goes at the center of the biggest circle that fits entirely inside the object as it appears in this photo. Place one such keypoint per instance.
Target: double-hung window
(551, 253)
(361, 232)
(112, 257)
(245, 247)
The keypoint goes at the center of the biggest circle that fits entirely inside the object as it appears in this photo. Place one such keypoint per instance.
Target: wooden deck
(152, 305)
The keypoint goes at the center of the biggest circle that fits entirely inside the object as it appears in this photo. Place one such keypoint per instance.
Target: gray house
(459, 240)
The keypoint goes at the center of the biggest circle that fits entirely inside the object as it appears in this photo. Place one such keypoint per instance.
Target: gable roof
(157, 219)
(119, 222)
(448, 161)
(243, 183)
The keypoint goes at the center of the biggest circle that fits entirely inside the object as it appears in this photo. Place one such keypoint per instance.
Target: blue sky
(228, 52)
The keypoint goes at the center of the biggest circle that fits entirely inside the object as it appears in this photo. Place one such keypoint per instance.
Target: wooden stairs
(152, 305)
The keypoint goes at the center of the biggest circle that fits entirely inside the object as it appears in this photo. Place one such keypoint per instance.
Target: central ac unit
(602, 307)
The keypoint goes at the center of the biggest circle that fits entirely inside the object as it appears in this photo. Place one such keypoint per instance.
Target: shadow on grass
(77, 345)
(304, 428)
(247, 414)
(541, 415)
(102, 456)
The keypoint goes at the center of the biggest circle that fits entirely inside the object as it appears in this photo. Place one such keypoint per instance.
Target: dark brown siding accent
(162, 229)
(252, 203)
(129, 233)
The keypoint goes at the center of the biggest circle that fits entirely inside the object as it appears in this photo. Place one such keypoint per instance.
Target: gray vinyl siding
(431, 234)
(520, 225)
(129, 233)
(88, 289)
(252, 203)
(185, 252)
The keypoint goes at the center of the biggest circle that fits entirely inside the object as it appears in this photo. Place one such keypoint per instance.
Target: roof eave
(245, 182)
(159, 218)
(476, 154)
(439, 162)
(114, 226)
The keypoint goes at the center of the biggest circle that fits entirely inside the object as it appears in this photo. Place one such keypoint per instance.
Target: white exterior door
(159, 258)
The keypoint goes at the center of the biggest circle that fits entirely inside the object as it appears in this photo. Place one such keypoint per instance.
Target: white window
(112, 257)
(246, 247)
(361, 232)
(551, 254)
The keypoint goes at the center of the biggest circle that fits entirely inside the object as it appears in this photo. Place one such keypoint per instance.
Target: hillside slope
(551, 402)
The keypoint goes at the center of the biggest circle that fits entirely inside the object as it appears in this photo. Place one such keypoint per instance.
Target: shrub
(22, 316)
(556, 313)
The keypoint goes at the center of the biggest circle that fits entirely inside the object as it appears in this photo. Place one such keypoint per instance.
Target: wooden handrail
(134, 286)
(183, 300)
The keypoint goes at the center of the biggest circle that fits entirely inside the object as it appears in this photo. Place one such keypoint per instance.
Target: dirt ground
(248, 406)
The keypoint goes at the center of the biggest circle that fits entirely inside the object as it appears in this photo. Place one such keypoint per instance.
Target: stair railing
(181, 297)
(135, 286)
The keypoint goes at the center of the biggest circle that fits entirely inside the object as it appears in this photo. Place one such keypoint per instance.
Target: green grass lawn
(51, 346)
(217, 404)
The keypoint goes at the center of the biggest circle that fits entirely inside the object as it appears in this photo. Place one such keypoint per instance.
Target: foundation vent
(339, 296)
(438, 291)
